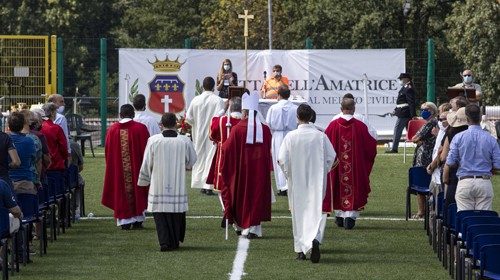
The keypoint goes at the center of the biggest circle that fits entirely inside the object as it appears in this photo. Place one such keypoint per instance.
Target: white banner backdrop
(322, 77)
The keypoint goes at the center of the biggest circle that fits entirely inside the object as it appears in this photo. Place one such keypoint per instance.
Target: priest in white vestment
(359, 117)
(199, 115)
(166, 158)
(306, 156)
(139, 103)
(281, 118)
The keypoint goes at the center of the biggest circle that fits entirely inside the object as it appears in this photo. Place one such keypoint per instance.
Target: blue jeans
(401, 123)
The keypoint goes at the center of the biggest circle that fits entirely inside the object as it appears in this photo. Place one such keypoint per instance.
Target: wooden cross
(246, 17)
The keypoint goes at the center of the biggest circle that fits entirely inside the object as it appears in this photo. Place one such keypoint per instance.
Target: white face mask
(401, 83)
(277, 73)
(441, 126)
(60, 110)
(467, 79)
(227, 67)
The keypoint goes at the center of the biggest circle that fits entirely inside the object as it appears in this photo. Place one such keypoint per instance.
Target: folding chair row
(8, 243)
(455, 234)
(489, 260)
(465, 221)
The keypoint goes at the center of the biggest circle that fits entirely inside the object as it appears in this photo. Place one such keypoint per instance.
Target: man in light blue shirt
(477, 154)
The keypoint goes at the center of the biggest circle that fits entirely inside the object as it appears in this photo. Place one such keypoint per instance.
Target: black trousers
(171, 228)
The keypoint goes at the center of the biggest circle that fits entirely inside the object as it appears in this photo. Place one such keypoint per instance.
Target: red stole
(246, 170)
(218, 134)
(124, 150)
(349, 182)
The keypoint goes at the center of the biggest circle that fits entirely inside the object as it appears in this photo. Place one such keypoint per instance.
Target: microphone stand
(265, 82)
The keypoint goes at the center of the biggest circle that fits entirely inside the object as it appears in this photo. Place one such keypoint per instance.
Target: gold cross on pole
(246, 17)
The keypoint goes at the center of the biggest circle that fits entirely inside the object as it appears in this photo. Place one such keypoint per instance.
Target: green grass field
(375, 249)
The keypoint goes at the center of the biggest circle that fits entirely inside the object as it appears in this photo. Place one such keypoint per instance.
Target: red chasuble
(124, 149)
(218, 134)
(349, 182)
(246, 170)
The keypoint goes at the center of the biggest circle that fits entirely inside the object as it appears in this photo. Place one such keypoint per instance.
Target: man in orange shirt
(270, 88)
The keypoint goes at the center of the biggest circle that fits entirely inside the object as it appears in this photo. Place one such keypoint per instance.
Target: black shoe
(252, 236)
(315, 253)
(166, 248)
(283, 193)
(210, 192)
(203, 191)
(339, 221)
(301, 257)
(391, 152)
(137, 225)
(126, 227)
(349, 223)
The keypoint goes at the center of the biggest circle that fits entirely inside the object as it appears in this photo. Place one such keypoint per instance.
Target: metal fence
(24, 69)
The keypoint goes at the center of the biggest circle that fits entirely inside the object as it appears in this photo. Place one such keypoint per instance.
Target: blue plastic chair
(476, 220)
(4, 235)
(4, 223)
(490, 258)
(71, 184)
(58, 179)
(418, 183)
(448, 226)
(479, 242)
(456, 240)
(437, 221)
(29, 206)
(469, 213)
(472, 232)
(43, 209)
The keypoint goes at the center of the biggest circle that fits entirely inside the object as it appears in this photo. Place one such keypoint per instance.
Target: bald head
(347, 106)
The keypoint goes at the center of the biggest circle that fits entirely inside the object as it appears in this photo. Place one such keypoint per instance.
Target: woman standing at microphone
(226, 78)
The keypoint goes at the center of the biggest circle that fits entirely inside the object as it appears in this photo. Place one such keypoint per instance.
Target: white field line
(239, 260)
(273, 217)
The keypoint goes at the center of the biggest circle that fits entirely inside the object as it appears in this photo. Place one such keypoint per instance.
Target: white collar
(125, 120)
(236, 115)
(346, 116)
(306, 125)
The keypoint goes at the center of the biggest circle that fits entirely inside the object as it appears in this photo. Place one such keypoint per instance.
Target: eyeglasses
(442, 119)
(467, 75)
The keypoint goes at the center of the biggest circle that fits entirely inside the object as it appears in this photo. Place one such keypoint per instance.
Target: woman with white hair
(425, 141)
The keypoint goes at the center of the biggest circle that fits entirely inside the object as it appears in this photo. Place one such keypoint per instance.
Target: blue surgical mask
(425, 114)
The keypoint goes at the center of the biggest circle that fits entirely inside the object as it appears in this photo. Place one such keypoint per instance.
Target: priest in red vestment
(124, 150)
(349, 182)
(246, 171)
(219, 131)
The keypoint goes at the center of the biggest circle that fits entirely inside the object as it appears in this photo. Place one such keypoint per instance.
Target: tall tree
(156, 24)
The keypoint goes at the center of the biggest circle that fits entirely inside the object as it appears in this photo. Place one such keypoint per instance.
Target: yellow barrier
(27, 71)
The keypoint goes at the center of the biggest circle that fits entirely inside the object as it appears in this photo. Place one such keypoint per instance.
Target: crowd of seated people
(34, 146)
